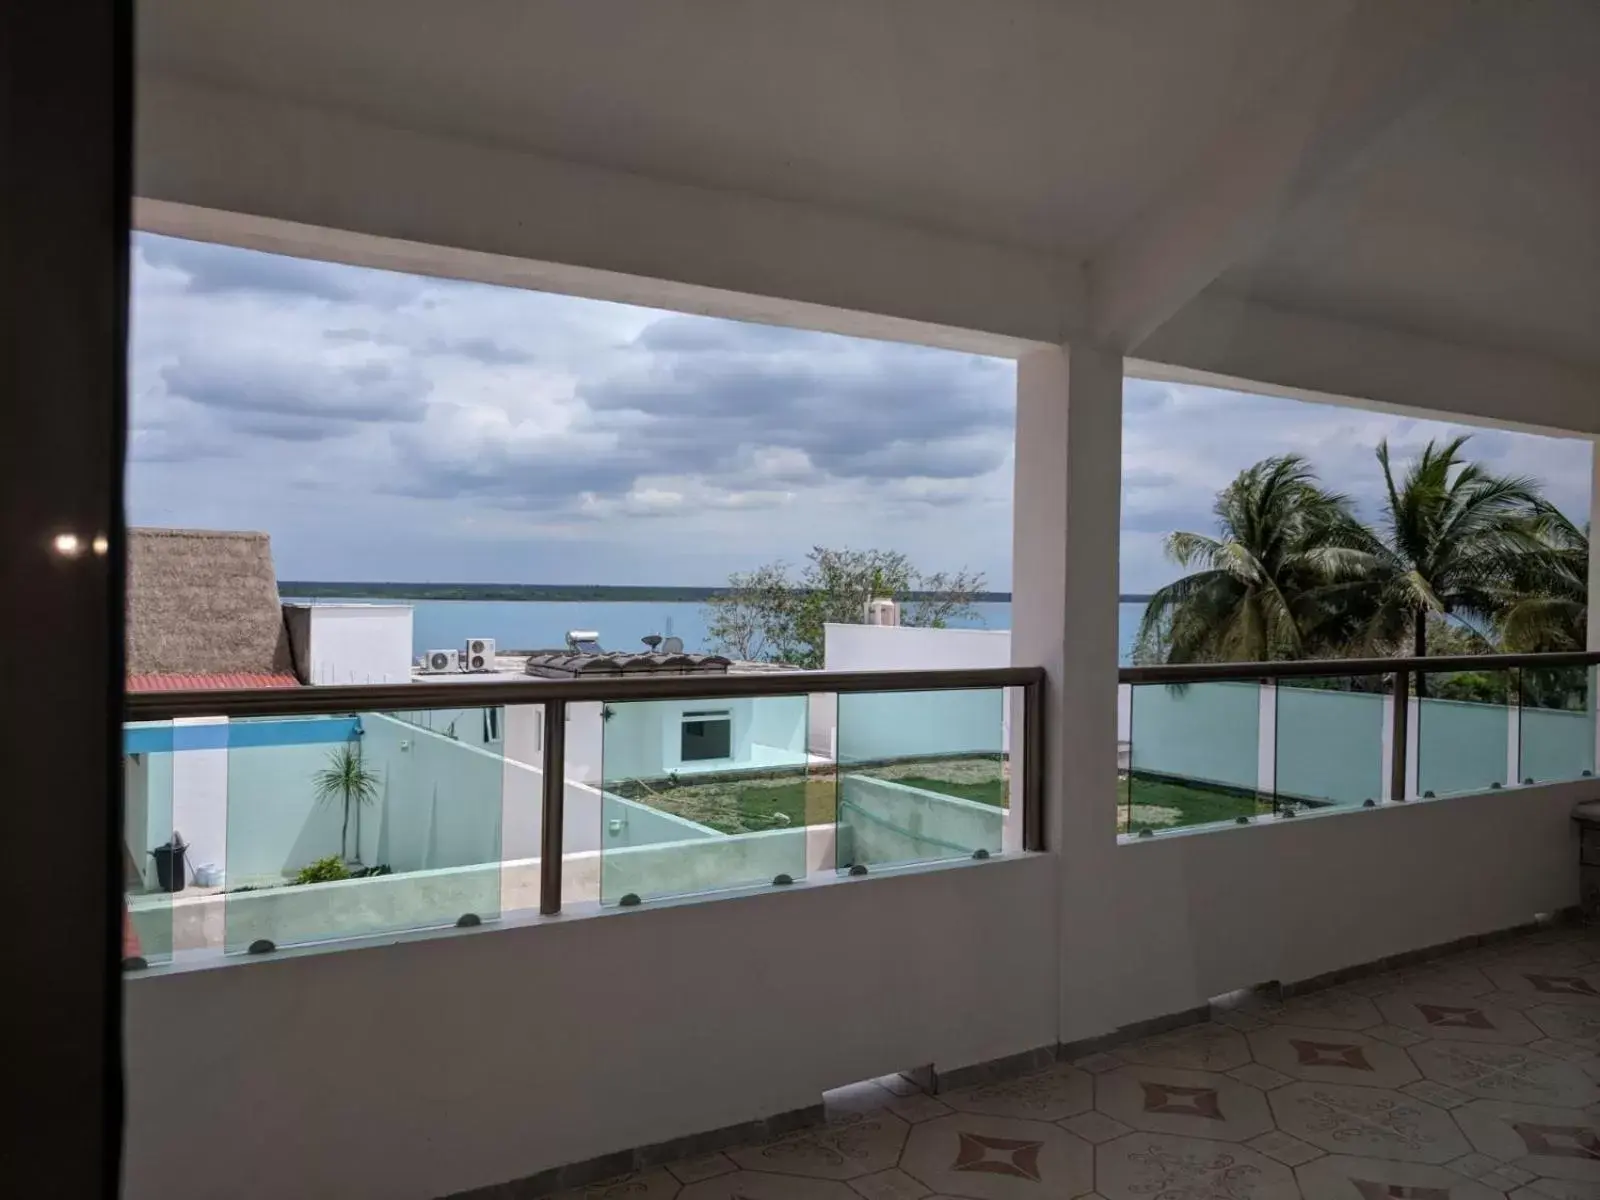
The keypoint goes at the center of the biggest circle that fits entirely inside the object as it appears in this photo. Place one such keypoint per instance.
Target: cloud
(213, 270)
(297, 399)
(389, 426)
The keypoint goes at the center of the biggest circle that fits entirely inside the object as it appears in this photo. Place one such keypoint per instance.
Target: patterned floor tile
(1561, 1143)
(1473, 1165)
(1062, 1091)
(899, 1085)
(855, 1098)
(1343, 1177)
(706, 1166)
(1244, 1020)
(1375, 1122)
(1097, 1064)
(1258, 1076)
(1094, 1127)
(760, 1185)
(1498, 1072)
(1207, 1047)
(1394, 1035)
(1179, 1168)
(1451, 974)
(997, 1158)
(1436, 1094)
(1331, 1009)
(1548, 983)
(1577, 1024)
(1505, 1178)
(1456, 1016)
(1332, 1056)
(893, 1184)
(1187, 1103)
(1558, 1189)
(856, 1144)
(1290, 1151)
(655, 1184)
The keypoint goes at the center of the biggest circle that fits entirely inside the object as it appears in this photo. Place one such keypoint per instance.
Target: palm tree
(1454, 536)
(1547, 607)
(1270, 586)
(346, 779)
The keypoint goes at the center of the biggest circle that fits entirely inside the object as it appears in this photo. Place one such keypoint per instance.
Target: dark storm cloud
(298, 399)
(857, 411)
(742, 408)
(226, 270)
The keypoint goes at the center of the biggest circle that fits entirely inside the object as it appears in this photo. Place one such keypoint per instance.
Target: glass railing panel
(347, 826)
(1330, 742)
(1195, 757)
(700, 796)
(1556, 724)
(923, 776)
(1464, 735)
(151, 872)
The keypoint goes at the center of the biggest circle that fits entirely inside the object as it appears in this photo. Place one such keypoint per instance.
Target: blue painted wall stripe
(238, 735)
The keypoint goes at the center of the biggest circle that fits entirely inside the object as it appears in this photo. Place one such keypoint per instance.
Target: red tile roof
(227, 679)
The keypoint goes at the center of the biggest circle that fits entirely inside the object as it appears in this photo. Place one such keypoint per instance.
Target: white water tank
(883, 612)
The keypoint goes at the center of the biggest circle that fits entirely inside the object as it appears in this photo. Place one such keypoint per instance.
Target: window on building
(707, 735)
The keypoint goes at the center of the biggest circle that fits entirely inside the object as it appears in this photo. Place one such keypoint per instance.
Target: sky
(383, 426)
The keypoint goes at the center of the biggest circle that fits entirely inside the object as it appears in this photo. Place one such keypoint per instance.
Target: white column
(1064, 618)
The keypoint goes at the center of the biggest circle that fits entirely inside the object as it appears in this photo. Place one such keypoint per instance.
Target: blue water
(542, 625)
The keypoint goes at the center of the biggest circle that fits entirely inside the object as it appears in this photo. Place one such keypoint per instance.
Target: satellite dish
(652, 640)
(673, 645)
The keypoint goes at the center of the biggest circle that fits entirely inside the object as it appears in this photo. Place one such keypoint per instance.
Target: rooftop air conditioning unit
(441, 662)
(479, 655)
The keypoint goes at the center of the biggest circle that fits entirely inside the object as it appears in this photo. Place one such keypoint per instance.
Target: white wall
(477, 1057)
(200, 799)
(359, 643)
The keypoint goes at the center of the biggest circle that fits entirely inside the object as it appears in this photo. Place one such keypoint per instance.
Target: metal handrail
(556, 694)
(350, 698)
(1328, 668)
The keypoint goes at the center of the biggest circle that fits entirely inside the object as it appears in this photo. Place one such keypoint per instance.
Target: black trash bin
(171, 872)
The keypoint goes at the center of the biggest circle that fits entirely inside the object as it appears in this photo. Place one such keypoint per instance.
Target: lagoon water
(541, 624)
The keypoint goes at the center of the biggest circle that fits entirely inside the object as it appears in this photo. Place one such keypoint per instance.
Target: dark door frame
(66, 137)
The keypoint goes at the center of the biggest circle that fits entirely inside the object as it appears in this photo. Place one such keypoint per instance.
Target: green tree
(1272, 584)
(1454, 536)
(348, 780)
(772, 615)
(1547, 608)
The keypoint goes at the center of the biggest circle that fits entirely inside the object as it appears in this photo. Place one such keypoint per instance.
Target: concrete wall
(1207, 731)
(883, 822)
(430, 1057)
(351, 643)
(643, 739)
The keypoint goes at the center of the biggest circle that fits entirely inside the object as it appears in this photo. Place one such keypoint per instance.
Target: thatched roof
(203, 602)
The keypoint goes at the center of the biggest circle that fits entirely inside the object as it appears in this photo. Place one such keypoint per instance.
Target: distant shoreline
(548, 592)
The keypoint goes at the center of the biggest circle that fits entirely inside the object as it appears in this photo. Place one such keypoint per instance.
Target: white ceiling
(1046, 126)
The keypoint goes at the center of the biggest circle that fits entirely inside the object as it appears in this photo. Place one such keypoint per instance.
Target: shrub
(324, 870)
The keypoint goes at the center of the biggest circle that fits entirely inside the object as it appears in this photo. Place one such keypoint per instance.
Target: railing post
(553, 799)
(1399, 729)
(1033, 766)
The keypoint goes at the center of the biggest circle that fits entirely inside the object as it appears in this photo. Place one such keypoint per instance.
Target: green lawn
(1166, 804)
(785, 800)
(984, 791)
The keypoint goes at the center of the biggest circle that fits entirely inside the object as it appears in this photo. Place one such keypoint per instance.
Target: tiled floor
(1468, 1078)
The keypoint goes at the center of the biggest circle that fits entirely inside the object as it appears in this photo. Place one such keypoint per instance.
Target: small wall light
(67, 545)
(100, 545)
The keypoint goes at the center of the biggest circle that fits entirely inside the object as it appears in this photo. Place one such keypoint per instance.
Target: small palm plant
(350, 781)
